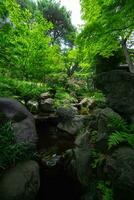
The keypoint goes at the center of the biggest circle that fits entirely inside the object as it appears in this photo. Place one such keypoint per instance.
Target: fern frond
(118, 123)
(119, 137)
(115, 139)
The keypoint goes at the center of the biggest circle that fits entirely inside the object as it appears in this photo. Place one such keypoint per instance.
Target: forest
(66, 101)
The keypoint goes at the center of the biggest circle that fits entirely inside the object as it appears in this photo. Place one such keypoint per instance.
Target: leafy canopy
(107, 23)
(25, 45)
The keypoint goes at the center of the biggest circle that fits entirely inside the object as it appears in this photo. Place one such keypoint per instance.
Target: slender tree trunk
(127, 56)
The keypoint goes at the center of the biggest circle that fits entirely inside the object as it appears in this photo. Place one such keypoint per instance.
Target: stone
(21, 182)
(51, 160)
(103, 129)
(72, 126)
(83, 158)
(87, 102)
(22, 121)
(118, 86)
(120, 168)
(46, 105)
(45, 95)
(33, 106)
(66, 113)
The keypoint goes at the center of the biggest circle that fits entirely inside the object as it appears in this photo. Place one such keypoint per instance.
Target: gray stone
(82, 157)
(22, 120)
(66, 113)
(21, 182)
(72, 126)
(33, 106)
(120, 168)
(103, 129)
(46, 105)
(118, 86)
(45, 95)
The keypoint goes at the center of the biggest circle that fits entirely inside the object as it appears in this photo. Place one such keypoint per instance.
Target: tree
(63, 31)
(108, 26)
(27, 50)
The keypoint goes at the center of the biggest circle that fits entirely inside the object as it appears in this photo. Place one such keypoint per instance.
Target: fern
(104, 187)
(118, 123)
(118, 137)
(98, 158)
(123, 132)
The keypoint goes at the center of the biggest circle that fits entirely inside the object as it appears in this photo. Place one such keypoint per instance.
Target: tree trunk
(127, 56)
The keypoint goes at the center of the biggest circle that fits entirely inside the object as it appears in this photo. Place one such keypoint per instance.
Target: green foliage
(98, 96)
(118, 123)
(104, 187)
(118, 137)
(22, 90)
(98, 159)
(123, 132)
(107, 23)
(28, 54)
(63, 98)
(11, 152)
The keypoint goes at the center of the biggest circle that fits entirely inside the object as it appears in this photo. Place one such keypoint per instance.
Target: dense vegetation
(108, 28)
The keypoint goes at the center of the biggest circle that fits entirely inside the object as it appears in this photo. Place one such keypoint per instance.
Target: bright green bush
(25, 51)
(63, 98)
(98, 96)
(22, 90)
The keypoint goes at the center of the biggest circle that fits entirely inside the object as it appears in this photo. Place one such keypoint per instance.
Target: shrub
(23, 90)
(63, 98)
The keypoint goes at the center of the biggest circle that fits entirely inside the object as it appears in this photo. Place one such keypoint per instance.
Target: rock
(82, 159)
(46, 105)
(118, 86)
(33, 106)
(120, 168)
(103, 129)
(22, 121)
(66, 113)
(87, 102)
(45, 95)
(50, 161)
(72, 126)
(21, 182)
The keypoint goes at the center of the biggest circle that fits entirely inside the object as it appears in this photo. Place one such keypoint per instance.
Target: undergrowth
(124, 133)
(10, 151)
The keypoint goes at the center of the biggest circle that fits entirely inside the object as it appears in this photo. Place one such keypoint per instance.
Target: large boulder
(120, 170)
(118, 86)
(83, 158)
(21, 182)
(22, 121)
(104, 126)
